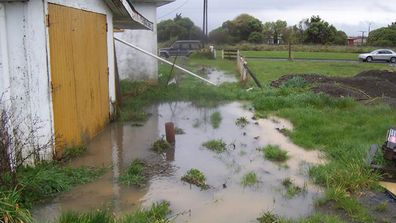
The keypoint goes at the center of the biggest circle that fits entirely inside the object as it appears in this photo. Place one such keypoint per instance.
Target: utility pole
(205, 22)
(362, 37)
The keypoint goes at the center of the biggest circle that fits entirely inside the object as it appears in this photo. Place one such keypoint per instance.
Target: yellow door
(79, 74)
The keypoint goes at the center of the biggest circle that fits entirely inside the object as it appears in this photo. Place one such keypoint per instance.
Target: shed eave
(125, 16)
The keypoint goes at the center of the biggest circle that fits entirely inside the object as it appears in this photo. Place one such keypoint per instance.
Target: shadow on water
(227, 200)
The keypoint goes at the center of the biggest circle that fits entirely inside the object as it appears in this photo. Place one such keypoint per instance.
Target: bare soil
(368, 86)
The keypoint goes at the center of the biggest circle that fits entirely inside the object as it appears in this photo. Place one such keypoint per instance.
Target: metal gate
(79, 74)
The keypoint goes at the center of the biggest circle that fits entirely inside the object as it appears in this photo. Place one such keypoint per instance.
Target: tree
(242, 26)
(385, 36)
(256, 37)
(340, 38)
(274, 30)
(178, 28)
(318, 31)
(219, 36)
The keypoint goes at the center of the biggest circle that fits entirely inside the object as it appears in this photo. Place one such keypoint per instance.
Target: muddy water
(227, 200)
(220, 77)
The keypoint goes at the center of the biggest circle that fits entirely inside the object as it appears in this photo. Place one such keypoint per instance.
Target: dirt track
(369, 86)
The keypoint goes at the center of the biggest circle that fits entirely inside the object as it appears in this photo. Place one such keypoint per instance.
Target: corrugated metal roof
(125, 15)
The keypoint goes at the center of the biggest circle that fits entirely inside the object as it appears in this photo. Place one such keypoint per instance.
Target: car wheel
(164, 55)
(369, 59)
(393, 60)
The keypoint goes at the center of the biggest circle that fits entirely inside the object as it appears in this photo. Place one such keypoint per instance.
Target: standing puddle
(227, 200)
(217, 76)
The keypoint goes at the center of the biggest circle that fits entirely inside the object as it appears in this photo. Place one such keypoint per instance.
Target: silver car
(379, 55)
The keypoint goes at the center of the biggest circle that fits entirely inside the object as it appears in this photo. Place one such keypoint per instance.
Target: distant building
(357, 41)
(132, 64)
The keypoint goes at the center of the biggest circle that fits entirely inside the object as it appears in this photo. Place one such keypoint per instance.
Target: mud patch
(369, 86)
(227, 200)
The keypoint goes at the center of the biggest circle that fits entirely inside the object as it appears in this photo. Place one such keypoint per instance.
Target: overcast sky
(350, 16)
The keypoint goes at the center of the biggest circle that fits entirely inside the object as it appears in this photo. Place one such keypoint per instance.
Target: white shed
(57, 64)
(132, 64)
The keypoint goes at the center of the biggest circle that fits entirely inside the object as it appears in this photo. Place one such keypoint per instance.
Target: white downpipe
(163, 60)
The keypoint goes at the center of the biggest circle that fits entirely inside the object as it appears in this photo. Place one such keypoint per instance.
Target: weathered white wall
(27, 69)
(98, 6)
(132, 64)
(25, 62)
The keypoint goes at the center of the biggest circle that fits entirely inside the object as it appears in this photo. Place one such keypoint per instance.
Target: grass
(267, 70)
(341, 128)
(291, 189)
(216, 145)
(302, 55)
(342, 200)
(382, 207)
(241, 122)
(215, 119)
(157, 213)
(249, 179)
(179, 131)
(161, 146)
(48, 179)
(274, 153)
(269, 217)
(196, 177)
(73, 152)
(10, 207)
(134, 175)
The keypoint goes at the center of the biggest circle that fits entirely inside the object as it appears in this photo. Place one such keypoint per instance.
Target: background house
(135, 65)
(57, 64)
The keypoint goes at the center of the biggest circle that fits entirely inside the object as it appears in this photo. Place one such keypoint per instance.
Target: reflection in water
(227, 200)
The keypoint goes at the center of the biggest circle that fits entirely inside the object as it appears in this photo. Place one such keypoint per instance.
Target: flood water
(227, 200)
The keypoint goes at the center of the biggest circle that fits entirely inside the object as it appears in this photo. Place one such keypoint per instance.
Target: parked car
(181, 48)
(379, 55)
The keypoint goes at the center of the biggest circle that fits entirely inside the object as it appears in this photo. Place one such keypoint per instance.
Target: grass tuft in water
(249, 179)
(291, 189)
(134, 175)
(241, 122)
(157, 213)
(196, 177)
(215, 120)
(274, 153)
(161, 146)
(216, 145)
(269, 217)
(179, 131)
(73, 152)
(382, 207)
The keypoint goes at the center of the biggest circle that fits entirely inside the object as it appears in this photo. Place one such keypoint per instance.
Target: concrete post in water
(170, 133)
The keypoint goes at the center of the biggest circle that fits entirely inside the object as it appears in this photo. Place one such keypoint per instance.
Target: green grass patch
(241, 122)
(73, 152)
(161, 146)
(274, 153)
(269, 217)
(249, 179)
(349, 204)
(157, 213)
(216, 145)
(267, 70)
(196, 177)
(215, 119)
(302, 55)
(134, 175)
(11, 209)
(292, 190)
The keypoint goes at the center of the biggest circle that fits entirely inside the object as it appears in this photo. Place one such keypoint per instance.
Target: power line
(174, 10)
